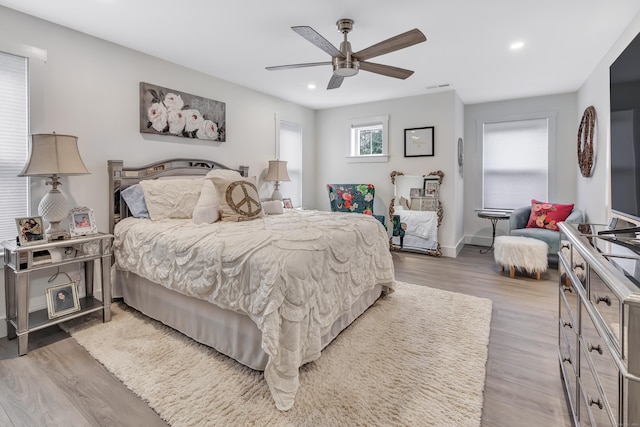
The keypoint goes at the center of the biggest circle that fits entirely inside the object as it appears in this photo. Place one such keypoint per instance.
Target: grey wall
(562, 175)
(594, 192)
(84, 86)
(438, 110)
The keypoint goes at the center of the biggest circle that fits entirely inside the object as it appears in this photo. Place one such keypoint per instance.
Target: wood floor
(58, 384)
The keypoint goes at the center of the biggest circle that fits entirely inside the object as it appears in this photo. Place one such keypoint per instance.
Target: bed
(270, 292)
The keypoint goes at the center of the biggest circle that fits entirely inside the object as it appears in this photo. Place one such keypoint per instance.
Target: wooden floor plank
(59, 380)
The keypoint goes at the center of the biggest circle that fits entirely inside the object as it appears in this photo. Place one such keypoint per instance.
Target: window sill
(367, 159)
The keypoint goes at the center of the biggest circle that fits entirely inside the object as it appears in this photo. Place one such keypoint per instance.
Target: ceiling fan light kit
(346, 63)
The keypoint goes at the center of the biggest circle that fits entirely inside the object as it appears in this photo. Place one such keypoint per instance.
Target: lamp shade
(277, 171)
(53, 154)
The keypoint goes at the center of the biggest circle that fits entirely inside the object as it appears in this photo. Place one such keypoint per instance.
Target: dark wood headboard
(121, 177)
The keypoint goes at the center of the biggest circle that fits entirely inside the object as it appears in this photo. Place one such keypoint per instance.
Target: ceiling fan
(346, 63)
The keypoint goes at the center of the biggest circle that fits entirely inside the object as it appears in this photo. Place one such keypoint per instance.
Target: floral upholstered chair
(353, 198)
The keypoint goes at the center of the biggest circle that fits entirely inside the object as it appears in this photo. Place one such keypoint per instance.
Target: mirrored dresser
(599, 324)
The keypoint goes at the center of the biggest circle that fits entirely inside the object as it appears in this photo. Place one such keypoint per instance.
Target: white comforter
(292, 274)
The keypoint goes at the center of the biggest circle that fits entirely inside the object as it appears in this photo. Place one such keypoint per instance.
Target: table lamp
(53, 155)
(277, 173)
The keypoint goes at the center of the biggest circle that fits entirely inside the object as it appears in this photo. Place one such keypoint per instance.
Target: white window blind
(13, 142)
(515, 163)
(291, 152)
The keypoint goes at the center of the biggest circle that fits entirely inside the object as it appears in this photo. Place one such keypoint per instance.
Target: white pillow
(207, 209)
(171, 198)
(272, 207)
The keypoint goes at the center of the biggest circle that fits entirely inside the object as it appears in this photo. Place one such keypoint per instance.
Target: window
(291, 152)
(368, 139)
(13, 142)
(515, 162)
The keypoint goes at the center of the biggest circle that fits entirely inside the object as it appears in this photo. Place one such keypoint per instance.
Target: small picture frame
(418, 142)
(432, 186)
(287, 203)
(62, 299)
(82, 222)
(416, 192)
(30, 230)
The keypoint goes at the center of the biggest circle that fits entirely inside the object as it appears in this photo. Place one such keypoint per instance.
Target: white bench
(522, 253)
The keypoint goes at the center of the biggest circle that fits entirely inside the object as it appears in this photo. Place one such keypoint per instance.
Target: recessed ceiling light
(311, 86)
(516, 45)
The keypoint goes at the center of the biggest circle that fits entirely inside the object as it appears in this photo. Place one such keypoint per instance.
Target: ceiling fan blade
(335, 82)
(287, 67)
(398, 42)
(385, 70)
(314, 37)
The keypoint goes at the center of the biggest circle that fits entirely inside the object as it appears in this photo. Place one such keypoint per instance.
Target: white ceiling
(467, 42)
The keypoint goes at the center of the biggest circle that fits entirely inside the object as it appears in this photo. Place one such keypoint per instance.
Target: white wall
(563, 184)
(436, 110)
(594, 192)
(458, 176)
(89, 88)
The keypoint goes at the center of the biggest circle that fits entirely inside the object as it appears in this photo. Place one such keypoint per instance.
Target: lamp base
(55, 232)
(276, 195)
(53, 209)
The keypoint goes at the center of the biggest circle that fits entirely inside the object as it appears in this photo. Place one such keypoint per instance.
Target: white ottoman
(523, 253)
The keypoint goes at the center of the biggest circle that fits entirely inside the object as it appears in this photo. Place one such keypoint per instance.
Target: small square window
(368, 140)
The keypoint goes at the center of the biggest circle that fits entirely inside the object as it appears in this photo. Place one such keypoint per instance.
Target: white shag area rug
(416, 357)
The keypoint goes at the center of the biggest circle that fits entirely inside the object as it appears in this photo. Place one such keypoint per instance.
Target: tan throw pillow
(239, 199)
(404, 203)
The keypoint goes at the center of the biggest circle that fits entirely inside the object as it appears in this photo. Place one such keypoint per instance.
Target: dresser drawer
(585, 415)
(568, 360)
(575, 260)
(598, 371)
(630, 402)
(569, 307)
(607, 306)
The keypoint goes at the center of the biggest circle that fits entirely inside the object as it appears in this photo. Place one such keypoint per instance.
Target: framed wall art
(418, 142)
(82, 222)
(170, 112)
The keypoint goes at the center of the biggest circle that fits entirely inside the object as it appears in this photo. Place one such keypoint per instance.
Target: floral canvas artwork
(170, 112)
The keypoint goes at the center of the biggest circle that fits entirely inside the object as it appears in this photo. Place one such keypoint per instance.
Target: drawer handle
(567, 289)
(565, 246)
(567, 323)
(581, 265)
(567, 359)
(605, 299)
(596, 402)
(597, 348)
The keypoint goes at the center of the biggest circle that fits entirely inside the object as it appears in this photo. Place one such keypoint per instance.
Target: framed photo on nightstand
(82, 222)
(62, 299)
(30, 230)
(287, 203)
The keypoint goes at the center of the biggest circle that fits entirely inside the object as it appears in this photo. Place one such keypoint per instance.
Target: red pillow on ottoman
(548, 215)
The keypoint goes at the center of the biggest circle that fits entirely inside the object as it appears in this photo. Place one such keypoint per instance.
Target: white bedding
(292, 274)
(421, 228)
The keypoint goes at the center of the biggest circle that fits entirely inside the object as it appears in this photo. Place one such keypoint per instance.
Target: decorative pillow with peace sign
(239, 199)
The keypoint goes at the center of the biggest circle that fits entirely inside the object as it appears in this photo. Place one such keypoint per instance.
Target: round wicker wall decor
(586, 152)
